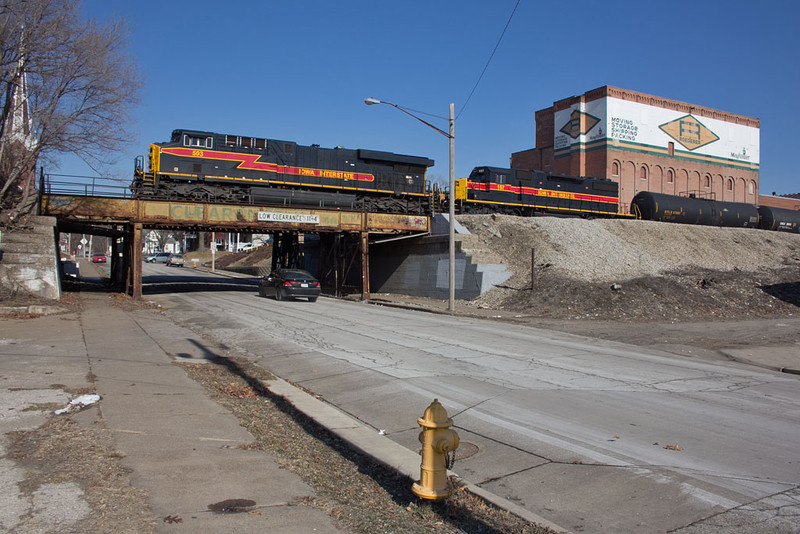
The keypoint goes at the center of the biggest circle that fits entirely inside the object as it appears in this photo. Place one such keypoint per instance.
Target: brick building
(787, 202)
(648, 143)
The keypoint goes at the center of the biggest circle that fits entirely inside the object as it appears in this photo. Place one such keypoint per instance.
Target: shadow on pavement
(155, 285)
(398, 486)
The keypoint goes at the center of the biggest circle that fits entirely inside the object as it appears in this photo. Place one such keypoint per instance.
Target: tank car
(526, 192)
(205, 166)
(690, 210)
(779, 219)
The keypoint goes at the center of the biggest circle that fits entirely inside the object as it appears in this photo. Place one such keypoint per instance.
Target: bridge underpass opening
(343, 236)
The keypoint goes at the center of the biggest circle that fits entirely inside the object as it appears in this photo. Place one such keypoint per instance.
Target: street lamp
(451, 243)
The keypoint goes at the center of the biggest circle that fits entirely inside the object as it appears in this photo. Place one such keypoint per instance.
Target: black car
(289, 283)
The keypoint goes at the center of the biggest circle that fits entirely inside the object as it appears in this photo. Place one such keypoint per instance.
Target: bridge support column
(286, 251)
(364, 265)
(134, 258)
(118, 261)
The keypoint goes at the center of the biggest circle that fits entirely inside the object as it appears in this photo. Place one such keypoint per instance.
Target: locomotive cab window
(499, 178)
(479, 175)
(193, 140)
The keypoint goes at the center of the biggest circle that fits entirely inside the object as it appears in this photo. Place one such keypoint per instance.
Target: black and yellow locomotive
(209, 167)
(528, 192)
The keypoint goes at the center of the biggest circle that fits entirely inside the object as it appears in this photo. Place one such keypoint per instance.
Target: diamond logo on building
(689, 132)
(579, 123)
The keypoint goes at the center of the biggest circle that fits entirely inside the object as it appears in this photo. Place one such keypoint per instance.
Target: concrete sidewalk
(180, 446)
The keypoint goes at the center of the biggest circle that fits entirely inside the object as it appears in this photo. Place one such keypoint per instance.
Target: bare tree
(67, 86)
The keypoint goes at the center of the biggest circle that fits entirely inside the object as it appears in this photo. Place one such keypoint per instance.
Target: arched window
(670, 176)
(643, 173)
(751, 188)
(707, 181)
(730, 184)
(615, 169)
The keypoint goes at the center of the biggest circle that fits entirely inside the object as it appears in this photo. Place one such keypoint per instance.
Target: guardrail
(86, 186)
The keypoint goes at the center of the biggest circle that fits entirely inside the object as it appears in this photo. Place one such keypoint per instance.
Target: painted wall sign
(689, 132)
(642, 127)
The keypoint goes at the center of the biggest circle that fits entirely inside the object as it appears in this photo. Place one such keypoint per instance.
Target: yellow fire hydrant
(437, 440)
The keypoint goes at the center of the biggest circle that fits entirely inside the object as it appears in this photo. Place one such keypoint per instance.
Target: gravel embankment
(618, 250)
(635, 270)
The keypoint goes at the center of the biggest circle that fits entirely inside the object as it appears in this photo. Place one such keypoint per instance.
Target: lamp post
(451, 211)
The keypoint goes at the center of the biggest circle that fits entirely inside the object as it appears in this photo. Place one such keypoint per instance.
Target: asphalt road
(593, 435)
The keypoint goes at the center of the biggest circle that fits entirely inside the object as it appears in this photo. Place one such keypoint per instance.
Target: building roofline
(656, 101)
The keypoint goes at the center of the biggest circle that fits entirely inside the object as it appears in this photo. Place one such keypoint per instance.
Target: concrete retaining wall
(29, 261)
(419, 267)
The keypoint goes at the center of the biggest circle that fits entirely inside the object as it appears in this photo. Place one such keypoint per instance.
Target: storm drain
(466, 450)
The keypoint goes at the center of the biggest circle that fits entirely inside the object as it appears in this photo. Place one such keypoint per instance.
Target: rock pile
(591, 267)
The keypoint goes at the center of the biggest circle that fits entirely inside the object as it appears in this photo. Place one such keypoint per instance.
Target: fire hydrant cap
(435, 416)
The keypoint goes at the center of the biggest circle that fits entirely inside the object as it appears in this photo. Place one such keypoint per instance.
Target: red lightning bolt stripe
(250, 162)
(505, 188)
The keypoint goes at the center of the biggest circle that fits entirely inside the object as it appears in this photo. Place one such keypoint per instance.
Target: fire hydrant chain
(451, 459)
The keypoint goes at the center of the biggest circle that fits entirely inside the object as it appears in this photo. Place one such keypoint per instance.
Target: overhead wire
(489, 61)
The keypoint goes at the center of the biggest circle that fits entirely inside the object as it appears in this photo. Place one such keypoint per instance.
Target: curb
(382, 449)
(787, 370)
(34, 309)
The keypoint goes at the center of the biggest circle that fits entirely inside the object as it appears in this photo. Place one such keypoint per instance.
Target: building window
(670, 176)
(730, 184)
(707, 181)
(751, 188)
(615, 169)
(643, 173)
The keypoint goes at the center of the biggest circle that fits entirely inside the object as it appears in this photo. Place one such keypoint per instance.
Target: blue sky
(300, 71)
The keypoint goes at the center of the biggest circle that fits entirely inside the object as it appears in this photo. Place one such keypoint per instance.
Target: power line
(490, 59)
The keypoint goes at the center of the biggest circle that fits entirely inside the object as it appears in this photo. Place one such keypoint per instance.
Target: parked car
(289, 283)
(244, 247)
(158, 257)
(99, 258)
(70, 268)
(175, 260)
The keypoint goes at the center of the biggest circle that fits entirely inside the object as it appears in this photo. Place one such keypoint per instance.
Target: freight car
(690, 210)
(527, 192)
(203, 166)
(779, 219)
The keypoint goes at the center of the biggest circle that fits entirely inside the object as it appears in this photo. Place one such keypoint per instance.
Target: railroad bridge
(344, 235)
